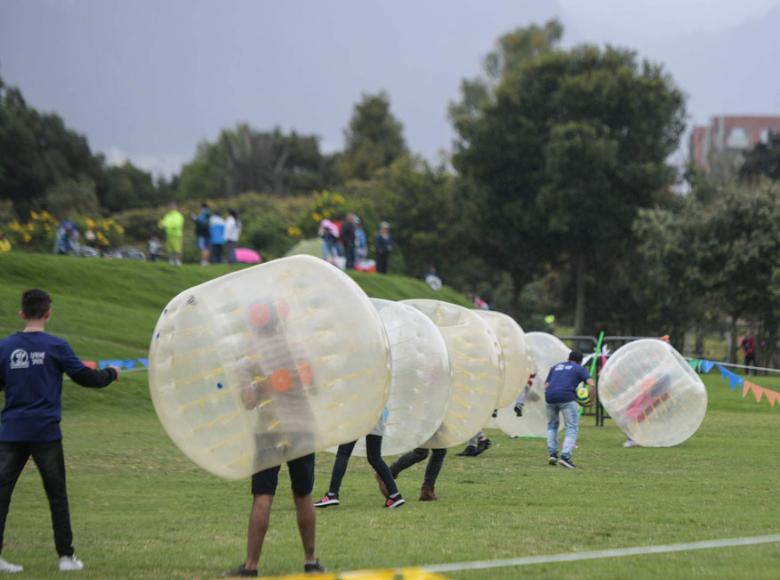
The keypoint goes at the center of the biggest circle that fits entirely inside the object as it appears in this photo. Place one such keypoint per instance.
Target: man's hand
(116, 370)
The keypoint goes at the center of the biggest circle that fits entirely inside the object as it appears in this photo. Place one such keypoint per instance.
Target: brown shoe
(382, 486)
(426, 494)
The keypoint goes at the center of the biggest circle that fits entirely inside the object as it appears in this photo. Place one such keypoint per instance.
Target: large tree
(243, 159)
(374, 138)
(506, 182)
(37, 151)
(572, 146)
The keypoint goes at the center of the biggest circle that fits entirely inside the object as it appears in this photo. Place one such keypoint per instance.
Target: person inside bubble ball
(275, 380)
(630, 443)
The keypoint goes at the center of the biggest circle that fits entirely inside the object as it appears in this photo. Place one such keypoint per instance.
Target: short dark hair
(575, 356)
(35, 303)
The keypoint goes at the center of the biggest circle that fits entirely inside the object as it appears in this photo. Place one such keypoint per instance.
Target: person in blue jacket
(31, 366)
(560, 394)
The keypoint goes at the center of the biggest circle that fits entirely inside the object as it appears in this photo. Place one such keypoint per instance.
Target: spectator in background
(361, 243)
(329, 234)
(154, 246)
(173, 224)
(202, 232)
(432, 279)
(5, 243)
(348, 239)
(217, 237)
(232, 233)
(748, 345)
(384, 246)
(63, 239)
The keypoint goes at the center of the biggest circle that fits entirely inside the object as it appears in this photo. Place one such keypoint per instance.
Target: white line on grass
(614, 553)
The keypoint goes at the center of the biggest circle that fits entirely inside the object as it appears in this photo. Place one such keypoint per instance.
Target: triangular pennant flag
(706, 366)
(772, 397)
(128, 364)
(694, 362)
(746, 389)
(144, 362)
(735, 380)
(758, 392)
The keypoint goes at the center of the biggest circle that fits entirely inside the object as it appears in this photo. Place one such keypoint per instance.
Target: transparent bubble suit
(652, 393)
(268, 364)
(518, 364)
(421, 383)
(477, 366)
(546, 351)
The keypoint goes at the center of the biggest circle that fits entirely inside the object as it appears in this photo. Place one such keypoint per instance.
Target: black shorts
(301, 477)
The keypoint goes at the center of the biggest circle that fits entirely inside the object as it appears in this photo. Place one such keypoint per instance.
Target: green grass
(140, 509)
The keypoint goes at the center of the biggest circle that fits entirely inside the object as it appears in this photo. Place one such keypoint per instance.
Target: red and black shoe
(328, 500)
(394, 501)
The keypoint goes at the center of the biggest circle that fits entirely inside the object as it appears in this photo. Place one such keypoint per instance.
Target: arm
(95, 379)
(82, 375)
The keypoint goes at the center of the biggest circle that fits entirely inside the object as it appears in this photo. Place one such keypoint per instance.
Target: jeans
(230, 247)
(415, 456)
(349, 254)
(50, 460)
(571, 426)
(374, 454)
(216, 253)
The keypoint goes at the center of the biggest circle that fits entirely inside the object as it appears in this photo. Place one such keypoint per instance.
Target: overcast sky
(149, 79)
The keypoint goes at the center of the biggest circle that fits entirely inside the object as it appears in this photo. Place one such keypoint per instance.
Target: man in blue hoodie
(31, 367)
(560, 394)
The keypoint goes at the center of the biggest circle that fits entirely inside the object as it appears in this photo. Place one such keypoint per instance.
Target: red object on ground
(247, 256)
(366, 266)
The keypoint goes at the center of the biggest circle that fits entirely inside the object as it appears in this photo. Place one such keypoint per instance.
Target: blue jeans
(570, 423)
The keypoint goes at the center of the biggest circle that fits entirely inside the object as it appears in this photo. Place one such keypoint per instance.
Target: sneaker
(313, 567)
(469, 451)
(567, 462)
(6, 566)
(395, 501)
(553, 460)
(240, 571)
(426, 494)
(329, 499)
(70, 564)
(382, 487)
(483, 446)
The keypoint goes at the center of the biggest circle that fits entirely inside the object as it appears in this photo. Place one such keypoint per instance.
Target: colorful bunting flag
(758, 391)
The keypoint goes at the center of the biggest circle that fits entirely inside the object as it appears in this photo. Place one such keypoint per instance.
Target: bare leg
(306, 524)
(258, 526)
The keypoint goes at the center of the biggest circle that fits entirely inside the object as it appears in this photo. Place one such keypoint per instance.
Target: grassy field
(140, 509)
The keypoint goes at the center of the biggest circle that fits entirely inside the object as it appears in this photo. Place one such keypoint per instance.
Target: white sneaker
(70, 563)
(6, 566)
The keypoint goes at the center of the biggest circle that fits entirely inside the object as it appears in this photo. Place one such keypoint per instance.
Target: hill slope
(108, 308)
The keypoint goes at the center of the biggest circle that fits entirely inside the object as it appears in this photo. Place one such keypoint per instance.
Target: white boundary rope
(596, 555)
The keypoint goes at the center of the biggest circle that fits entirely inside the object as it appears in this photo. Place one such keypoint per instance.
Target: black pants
(349, 254)
(432, 469)
(374, 453)
(50, 460)
(381, 262)
(750, 359)
(216, 253)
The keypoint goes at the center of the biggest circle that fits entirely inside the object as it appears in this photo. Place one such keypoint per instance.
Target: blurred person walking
(384, 246)
(232, 234)
(173, 224)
